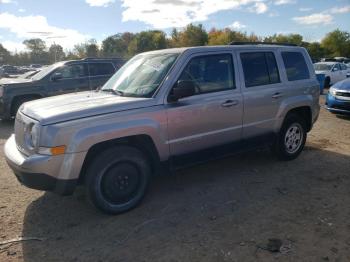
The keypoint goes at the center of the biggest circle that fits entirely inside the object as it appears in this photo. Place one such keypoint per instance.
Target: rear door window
(101, 69)
(295, 65)
(260, 68)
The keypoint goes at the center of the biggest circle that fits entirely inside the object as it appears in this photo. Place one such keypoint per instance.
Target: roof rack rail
(261, 43)
(92, 58)
(101, 58)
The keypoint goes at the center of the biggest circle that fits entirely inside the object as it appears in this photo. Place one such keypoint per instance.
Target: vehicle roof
(221, 47)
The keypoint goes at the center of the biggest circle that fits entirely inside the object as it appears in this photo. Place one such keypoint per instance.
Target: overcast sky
(68, 22)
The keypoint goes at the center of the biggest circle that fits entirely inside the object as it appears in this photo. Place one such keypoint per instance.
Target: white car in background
(333, 72)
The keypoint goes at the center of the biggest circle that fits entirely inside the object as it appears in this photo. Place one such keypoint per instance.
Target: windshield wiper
(115, 92)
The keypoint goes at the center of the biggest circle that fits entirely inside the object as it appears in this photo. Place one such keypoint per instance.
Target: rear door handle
(229, 103)
(277, 95)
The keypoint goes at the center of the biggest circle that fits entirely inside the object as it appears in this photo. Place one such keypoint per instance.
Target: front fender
(85, 138)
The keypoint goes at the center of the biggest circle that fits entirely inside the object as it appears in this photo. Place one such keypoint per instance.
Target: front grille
(344, 94)
(19, 133)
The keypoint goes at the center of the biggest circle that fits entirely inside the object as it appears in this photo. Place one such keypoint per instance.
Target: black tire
(117, 179)
(327, 82)
(289, 144)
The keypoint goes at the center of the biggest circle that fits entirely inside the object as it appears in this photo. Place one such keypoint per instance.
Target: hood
(79, 105)
(342, 85)
(10, 81)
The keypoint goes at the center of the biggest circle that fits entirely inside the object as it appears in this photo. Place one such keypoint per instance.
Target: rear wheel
(291, 138)
(117, 179)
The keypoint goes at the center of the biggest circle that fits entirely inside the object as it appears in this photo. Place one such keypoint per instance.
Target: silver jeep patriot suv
(162, 107)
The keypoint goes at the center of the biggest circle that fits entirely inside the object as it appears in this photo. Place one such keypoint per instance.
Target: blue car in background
(338, 98)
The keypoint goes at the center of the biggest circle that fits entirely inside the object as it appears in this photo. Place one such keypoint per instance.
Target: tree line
(125, 45)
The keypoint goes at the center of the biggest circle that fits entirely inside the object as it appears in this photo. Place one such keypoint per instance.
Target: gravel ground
(224, 210)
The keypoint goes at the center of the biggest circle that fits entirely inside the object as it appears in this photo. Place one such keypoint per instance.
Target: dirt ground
(224, 210)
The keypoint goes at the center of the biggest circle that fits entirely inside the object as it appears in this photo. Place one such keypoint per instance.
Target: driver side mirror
(56, 76)
(182, 89)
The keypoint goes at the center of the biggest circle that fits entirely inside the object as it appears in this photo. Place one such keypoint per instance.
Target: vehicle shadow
(206, 212)
(344, 117)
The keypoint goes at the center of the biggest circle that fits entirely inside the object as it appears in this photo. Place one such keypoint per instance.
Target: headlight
(32, 135)
(332, 91)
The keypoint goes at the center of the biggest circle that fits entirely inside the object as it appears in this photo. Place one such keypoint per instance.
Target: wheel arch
(142, 142)
(305, 113)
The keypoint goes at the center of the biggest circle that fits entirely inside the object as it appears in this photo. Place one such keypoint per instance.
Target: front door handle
(277, 95)
(229, 103)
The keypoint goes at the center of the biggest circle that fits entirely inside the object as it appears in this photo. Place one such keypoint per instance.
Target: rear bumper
(32, 171)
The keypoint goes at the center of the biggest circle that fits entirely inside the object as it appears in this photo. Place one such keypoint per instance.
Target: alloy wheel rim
(293, 138)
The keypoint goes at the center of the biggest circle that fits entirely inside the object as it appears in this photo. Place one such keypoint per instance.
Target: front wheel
(291, 138)
(117, 179)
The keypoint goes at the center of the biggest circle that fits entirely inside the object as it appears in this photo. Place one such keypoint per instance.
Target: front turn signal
(53, 151)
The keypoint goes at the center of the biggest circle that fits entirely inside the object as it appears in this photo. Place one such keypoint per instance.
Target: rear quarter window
(295, 65)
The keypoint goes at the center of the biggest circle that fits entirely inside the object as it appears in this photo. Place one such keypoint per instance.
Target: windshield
(141, 76)
(45, 71)
(322, 67)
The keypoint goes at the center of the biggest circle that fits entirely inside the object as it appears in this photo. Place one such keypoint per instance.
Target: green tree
(281, 38)
(192, 35)
(56, 53)
(315, 50)
(219, 37)
(5, 56)
(117, 45)
(35, 45)
(147, 41)
(71, 56)
(227, 35)
(337, 43)
(79, 50)
(91, 48)
(37, 49)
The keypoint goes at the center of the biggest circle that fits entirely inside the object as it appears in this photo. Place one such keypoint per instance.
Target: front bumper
(37, 171)
(337, 106)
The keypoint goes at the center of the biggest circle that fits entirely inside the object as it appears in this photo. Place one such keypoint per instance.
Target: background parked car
(333, 72)
(7, 70)
(338, 98)
(60, 78)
